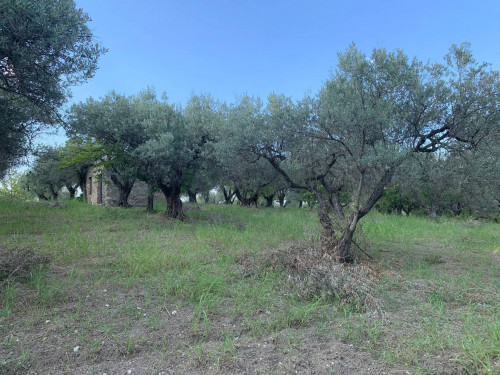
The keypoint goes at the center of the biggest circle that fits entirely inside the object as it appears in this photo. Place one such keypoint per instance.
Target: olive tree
(113, 122)
(243, 173)
(45, 179)
(46, 47)
(77, 157)
(345, 145)
(202, 115)
(174, 146)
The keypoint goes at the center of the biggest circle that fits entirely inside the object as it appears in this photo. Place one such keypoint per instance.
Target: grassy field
(130, 292)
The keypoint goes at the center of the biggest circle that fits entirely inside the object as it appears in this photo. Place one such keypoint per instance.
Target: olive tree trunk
(172, 195)
(124, 188)
(151, 198)
(192, 196)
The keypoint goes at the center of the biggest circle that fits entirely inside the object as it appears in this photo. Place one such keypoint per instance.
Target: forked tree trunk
(339, 230)
(340, 245)
(54, 192)
(124, 189)
(247, 199)
(228, 196)
(123, 197)
(281, 197)
(337, 246)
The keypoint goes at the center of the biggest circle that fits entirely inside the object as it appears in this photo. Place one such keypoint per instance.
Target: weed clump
(313, 274)
(19, 262)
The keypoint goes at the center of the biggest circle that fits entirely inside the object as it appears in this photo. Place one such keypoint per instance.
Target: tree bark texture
(172, 194)
(124, 188)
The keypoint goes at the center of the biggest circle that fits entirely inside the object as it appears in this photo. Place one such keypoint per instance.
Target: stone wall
(101, 190)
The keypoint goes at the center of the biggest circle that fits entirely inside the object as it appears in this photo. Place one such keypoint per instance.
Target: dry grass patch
(19, 262)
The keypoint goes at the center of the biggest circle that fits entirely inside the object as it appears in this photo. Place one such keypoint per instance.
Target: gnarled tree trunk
(247, 198)
(228, 195)
(71, 191)
(339, 231)
(124, 188)
(54, 192)
(172, 194)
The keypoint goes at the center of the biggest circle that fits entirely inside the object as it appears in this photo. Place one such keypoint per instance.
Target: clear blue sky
(228, 48)
(233, 47)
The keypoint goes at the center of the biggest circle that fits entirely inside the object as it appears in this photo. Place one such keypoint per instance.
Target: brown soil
(116, 330)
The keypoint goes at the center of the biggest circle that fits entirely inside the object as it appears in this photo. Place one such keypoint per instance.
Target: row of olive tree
(372, 118)
(145, 138)
(344, 146)
(458, 183)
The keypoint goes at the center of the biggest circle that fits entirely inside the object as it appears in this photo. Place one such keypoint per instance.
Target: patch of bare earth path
(112, 329)
(116, 330)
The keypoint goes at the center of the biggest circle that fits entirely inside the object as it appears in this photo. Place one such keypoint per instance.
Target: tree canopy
(377, 115)
(46, 47)
(346, 144)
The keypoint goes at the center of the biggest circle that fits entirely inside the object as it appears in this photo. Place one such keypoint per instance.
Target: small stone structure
(101, 190)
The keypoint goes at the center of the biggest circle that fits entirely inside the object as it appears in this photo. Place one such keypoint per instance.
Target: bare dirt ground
(117, 330)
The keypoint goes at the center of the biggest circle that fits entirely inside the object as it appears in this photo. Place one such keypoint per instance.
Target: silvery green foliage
(45, 179)
(234, 144)
(455, 182)
(175, 139)
(113, 122)
(174, 151)
(147, 138)
(202, 115)
(164, 154)
(345, 144)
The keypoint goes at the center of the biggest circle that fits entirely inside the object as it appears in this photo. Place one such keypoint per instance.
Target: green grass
(115, 273)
